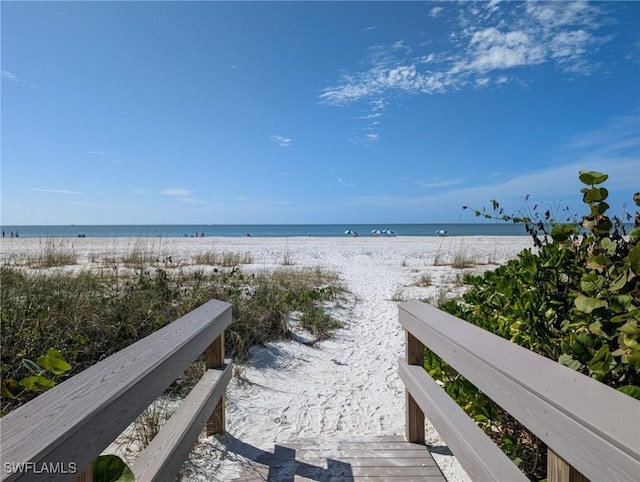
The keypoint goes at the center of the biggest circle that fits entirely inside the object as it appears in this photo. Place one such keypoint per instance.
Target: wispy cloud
(486, 46)
(100, 205)
(281, 141)
(344, 183)
(551, 185)
(97, 153)
(176, 192)
(5, 74)
(614, 149)
(438, 183)
(183, 195)
(371, 27)
(54, 191)
(620, 136)
(435, 11)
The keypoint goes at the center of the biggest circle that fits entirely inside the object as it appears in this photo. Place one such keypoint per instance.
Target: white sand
(340, 388)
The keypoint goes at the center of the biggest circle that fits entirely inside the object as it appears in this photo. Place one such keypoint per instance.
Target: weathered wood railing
(67, 427)
(592, 430)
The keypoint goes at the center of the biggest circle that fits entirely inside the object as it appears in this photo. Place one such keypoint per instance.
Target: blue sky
(311, 112)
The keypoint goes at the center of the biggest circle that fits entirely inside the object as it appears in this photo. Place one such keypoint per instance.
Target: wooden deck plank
(170, 447)
(330, 444)
(376, 459)
(353, 453)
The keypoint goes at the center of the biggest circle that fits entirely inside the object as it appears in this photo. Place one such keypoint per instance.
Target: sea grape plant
(574, 298)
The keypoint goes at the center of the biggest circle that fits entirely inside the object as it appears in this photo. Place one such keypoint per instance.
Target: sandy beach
(344, 387)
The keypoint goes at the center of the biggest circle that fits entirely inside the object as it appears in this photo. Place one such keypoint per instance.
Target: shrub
(575, 300)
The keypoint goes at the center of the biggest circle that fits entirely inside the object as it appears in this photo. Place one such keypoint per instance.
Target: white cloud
(620, 136)
(342, 182)
(54, 191)
(436, 183)
(489, 40)
(176, 192)
(97, 153)
(282, 141)
(371, 27)
(5, 74)
(372, 137)
(435, 11)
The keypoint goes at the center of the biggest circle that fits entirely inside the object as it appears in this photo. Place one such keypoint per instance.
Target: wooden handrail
(71, 424)
(589, 426)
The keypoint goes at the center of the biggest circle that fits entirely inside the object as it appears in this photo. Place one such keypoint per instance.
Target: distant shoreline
(263, 230)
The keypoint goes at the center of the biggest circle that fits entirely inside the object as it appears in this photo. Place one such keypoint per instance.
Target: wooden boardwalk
(376, 459)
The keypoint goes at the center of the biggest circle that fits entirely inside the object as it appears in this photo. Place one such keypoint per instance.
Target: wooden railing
(592, 430)
(57, 435)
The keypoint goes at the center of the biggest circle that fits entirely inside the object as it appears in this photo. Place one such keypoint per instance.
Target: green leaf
(630, 390)
(592, 177)
(634, 259)
(610, 246)
(569, 361)
(602, 361)
(32, 366)
(37, 384)
(54, 362)
(561, 232)
(598, 262)
(596, 329)
(635, 233)
(630, 328)
(592, 283)
(595, 194)
(6, 393)
(587, 305)
(618, 283)
(598, 209)
(111, 468)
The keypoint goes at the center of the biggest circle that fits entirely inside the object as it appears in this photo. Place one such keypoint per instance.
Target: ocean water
(259, 230)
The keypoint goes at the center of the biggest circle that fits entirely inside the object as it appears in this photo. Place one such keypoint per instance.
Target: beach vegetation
(574, 298)
(287, 259)
(425, 280)
(463, 261)
(228, 259)
(53, 253)
(88, 315)
(319, 323)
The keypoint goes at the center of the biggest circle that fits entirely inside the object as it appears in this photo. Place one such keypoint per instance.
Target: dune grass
(90, 315)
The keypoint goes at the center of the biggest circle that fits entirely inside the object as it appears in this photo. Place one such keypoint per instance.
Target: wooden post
(414, 430)
(214, 356)
(558, 470)
(86, 475)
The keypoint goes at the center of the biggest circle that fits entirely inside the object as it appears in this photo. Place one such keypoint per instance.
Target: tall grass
(53, 253)
(89, 316)
(212, 258)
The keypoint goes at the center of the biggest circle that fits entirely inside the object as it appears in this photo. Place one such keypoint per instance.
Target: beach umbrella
(376, 232)
(441, 232)
(351, 232)
(388, 232)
